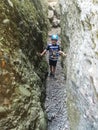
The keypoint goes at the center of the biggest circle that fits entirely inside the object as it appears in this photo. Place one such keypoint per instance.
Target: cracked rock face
(79, 24)
(23, 32)
(54, 13)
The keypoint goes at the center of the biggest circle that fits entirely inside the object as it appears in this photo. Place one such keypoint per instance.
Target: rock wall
(23, 33)
(79, 22)
(54, 13)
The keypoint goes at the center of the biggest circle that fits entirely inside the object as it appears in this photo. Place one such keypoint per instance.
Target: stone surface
(55, 103)
(79, 24)
(50, 14)
(23, 33)
(56, 22)
(54, 13)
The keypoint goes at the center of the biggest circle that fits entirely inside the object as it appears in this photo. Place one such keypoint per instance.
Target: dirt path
(56, 101)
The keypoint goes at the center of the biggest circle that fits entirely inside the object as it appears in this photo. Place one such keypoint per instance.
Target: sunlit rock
(5, 21)
(50, 14)
(10, 3)
(79, 23)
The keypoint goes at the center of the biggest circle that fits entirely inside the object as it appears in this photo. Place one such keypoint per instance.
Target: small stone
(6, 21)
(3, 112)
(6, 102)
(27, 86)
(50, 14)
(52, 5)
(56, 22)
(24, 91)
(2, 109)
(10, 3)
(15, 100)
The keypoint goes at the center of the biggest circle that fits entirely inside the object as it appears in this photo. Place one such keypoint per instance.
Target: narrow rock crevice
(55, 103)
(70, 103)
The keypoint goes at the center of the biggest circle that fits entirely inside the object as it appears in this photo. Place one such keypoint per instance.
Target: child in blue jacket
(54, 51)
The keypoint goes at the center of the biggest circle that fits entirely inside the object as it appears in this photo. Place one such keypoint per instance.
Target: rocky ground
(56, 101)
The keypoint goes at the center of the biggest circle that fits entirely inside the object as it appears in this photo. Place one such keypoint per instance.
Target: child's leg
(51, 69)
(54, 67)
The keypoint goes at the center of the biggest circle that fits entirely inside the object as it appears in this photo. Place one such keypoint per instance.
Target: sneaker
(53, 75)
(50, 74)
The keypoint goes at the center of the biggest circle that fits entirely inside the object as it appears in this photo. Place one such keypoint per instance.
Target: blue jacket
(53, 51)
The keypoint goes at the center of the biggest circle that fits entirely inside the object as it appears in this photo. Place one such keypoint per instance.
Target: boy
(54, 51)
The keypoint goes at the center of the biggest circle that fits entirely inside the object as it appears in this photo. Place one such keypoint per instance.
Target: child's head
(54, 39)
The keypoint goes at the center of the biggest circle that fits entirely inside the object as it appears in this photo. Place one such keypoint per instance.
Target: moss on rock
(23, 32)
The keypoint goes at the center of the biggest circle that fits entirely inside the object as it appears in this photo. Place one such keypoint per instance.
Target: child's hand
(64, 54)
(44, 51)
(39, 54)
